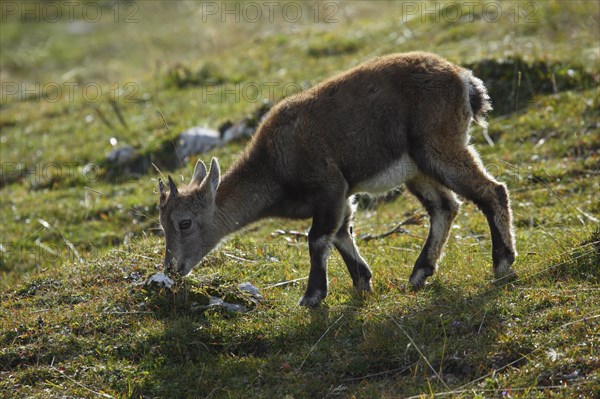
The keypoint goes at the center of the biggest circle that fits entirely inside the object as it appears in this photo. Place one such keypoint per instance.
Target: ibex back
(397, 119)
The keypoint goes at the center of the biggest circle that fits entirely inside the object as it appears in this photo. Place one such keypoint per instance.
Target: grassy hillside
(75, 317)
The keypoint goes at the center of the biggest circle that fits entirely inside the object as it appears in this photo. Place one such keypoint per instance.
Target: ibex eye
(185, 224)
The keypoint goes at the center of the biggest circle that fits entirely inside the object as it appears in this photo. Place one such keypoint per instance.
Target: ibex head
(189, 218)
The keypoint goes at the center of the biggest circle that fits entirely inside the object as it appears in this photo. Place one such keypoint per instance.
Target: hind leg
(460, 170)
(344, 243)
(442, 206)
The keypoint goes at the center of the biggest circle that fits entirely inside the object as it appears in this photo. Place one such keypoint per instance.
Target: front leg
(319, 247)
(327, 219)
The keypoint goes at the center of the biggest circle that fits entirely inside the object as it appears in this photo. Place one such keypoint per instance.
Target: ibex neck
(244, 195)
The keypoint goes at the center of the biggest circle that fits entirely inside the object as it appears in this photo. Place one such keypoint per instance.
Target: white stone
(197, 140)
(252, 289)
(217, 302)
(160, 279)
(121, 155)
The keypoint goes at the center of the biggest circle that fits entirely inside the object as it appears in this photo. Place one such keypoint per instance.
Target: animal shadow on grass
(441, 335)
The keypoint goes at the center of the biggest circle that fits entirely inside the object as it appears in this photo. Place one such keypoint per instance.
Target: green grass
(76, 322)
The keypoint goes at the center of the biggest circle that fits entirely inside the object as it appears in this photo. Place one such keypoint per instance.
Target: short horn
(172, 187)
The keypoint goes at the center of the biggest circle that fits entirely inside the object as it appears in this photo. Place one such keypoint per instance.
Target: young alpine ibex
(395, 119)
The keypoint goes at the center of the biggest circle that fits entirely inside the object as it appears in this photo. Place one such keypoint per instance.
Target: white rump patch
(390, 178)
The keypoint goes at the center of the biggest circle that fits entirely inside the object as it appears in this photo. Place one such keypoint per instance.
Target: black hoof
(312, 300)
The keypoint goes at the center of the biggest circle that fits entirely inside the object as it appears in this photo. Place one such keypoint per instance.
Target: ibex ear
(172, 187)
(199, 173)
(214, 176)
(162, 195)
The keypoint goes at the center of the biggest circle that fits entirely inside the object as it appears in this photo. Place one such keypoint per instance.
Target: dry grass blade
(317, 343)
(413, 220)
(62, 373)
(284, 283)
(438, 376)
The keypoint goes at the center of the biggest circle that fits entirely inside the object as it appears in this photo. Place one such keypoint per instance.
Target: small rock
(80, 27)
(252, 289)
(135, 277)
(121, 156)
(572, 376)
(450, 379)
(197, 140)
(238, 131)
(216, 302)
(161, 280)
